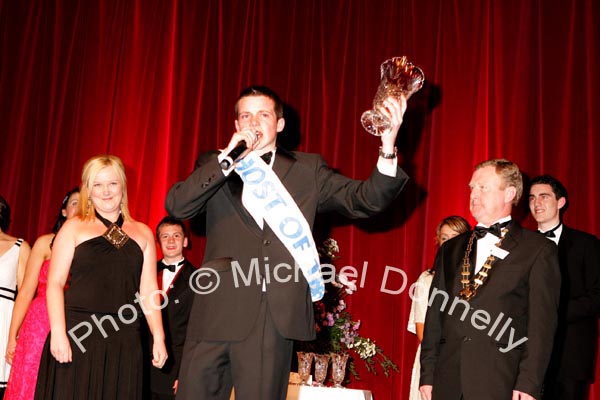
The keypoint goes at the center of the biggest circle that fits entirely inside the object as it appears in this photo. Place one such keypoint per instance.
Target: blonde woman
(94, 349)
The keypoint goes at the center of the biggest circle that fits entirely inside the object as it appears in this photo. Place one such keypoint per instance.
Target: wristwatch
(388, 156)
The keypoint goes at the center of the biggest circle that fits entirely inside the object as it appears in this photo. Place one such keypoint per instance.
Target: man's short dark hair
(558, 188)
(261, 91)
(169, 220)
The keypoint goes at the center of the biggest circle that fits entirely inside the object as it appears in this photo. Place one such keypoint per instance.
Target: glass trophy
(398, 76)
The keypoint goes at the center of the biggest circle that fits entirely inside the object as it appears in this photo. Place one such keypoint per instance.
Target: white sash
(264, 192)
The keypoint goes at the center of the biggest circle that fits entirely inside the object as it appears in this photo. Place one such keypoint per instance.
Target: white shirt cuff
(385, 168)
(220, 158)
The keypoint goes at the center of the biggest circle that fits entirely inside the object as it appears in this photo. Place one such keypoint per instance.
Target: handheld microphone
(233, 155)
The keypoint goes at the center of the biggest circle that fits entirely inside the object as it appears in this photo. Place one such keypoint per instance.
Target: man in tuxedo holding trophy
(260, 203)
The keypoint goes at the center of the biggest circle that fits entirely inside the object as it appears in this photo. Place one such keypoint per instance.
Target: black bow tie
(171, 268)
(267, 157)
(550, 233)
(496, 229)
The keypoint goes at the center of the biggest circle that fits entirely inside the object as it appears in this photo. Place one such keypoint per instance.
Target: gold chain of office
(469, 287)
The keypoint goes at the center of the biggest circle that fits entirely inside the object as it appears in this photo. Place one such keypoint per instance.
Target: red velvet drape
(154, 82)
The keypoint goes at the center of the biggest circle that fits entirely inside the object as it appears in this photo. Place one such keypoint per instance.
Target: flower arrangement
(337, 331)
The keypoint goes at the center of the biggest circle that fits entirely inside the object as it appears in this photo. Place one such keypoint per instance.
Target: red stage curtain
(154, 82)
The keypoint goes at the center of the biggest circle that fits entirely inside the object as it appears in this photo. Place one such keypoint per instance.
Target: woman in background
(448, 228)
(30, 315)
(13, 257)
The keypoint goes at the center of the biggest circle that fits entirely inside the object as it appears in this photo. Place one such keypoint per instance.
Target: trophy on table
(398, 76)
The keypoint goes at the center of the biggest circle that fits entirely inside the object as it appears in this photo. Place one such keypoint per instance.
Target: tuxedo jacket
(175, 319)
(576, 340)
(239, 255)
(461, 350)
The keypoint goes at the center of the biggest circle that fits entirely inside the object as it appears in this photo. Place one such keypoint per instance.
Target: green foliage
(337, 331)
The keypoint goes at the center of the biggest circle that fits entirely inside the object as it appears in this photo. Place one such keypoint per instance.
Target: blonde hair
(454, 222)
(509, 172)
(91, 168)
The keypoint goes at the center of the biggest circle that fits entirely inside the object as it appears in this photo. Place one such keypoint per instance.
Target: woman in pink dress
(29, 325)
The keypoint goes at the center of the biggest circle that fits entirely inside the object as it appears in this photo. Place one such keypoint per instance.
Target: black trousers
(258, 366)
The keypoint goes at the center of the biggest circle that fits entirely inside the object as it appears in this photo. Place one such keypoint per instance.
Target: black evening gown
(107, 364)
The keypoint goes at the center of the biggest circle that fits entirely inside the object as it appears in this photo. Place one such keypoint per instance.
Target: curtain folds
(155, 81)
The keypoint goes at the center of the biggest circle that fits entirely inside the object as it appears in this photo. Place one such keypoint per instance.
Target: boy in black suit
(572, 365)
(174, 272)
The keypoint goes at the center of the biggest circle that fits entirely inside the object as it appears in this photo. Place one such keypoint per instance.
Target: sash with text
(267, 194)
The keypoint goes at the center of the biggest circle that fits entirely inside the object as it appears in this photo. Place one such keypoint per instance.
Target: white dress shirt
(486, 244)
(168, 276)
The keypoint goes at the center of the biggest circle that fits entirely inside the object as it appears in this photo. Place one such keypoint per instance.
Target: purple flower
(330, 321)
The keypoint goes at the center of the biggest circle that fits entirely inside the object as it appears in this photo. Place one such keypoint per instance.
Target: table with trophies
(299, 392)
(308, 392)
(303, 388)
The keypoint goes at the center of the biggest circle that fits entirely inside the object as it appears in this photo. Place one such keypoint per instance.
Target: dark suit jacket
(458, 353)
(576, 340)
(242, 254)
(175, 319)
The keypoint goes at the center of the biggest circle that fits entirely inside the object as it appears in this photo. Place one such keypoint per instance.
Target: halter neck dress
(103, 326)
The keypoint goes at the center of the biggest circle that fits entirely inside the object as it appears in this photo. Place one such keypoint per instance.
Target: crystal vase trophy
(398, 76)
(338, 368)
(304, 366)
(321, 364)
